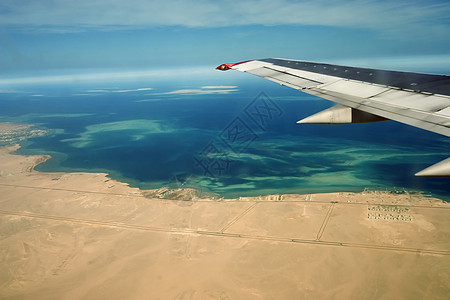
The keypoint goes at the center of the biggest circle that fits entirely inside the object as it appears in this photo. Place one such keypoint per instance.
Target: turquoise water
(234, 138)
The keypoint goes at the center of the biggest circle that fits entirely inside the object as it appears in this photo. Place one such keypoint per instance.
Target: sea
(222, 133)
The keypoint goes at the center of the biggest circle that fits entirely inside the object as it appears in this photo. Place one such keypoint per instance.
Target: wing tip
(225, 67)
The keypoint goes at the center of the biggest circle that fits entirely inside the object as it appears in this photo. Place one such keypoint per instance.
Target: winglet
(224, 67)
(441, 169)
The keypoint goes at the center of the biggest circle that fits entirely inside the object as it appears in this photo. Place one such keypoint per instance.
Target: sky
(66, 36)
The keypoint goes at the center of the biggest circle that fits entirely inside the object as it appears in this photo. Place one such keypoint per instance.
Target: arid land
(85, 236)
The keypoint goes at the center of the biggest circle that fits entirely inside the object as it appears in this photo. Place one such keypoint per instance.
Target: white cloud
(134, 90)
(69, 15)
(108, 76)
(100, 91)
(97, 91)
(219, 87)
(201, 91)
(105, 91)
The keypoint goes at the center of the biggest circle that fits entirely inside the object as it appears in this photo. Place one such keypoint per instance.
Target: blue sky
(66, 35)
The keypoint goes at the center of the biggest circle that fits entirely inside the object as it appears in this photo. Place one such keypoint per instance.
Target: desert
(86, 236)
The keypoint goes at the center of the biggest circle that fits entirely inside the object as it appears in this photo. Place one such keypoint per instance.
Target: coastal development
(14, 133)
(85, 236)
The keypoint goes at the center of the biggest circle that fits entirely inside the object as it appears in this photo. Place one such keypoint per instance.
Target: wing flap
(420, 100)
(250, 65)
(432, 122)
(427, 103)
(445, 112)
(264, 72)
(296, 81)
(353, 88)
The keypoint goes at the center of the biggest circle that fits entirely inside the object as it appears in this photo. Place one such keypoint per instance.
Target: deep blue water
(236, 141)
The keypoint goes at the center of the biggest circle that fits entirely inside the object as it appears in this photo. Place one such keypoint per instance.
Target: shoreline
(16, 133)
(191, 194)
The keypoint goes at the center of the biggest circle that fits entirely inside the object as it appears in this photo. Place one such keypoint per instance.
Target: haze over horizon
(63, 37)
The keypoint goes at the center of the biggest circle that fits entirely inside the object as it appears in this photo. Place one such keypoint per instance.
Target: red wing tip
(224, 67)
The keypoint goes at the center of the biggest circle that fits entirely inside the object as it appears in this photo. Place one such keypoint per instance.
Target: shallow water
(233, 138)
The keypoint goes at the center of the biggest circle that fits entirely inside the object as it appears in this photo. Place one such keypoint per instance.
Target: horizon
(57, 36)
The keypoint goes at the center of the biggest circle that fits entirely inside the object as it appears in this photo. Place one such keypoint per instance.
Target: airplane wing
(364, 95)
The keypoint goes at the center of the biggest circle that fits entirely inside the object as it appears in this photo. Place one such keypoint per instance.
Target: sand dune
(85, 236)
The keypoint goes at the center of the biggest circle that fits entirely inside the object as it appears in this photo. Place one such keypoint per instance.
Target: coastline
(84, 235)
(8, 162)
(150, 174)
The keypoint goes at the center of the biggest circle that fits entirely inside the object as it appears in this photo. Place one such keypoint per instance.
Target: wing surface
(364, 95)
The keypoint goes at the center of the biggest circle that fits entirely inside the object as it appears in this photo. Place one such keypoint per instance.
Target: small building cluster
(388, 208)
(389, 212)
(387, 216)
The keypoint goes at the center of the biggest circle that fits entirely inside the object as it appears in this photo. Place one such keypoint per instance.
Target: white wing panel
(254, 64)
(445, 111)
(354, 88)
(294, 80)
(379, 92)
(429, 103)
(308, 75)
(425, 120)
(263, 72)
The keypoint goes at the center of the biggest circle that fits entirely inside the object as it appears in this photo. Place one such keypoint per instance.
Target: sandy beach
(85, 236)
